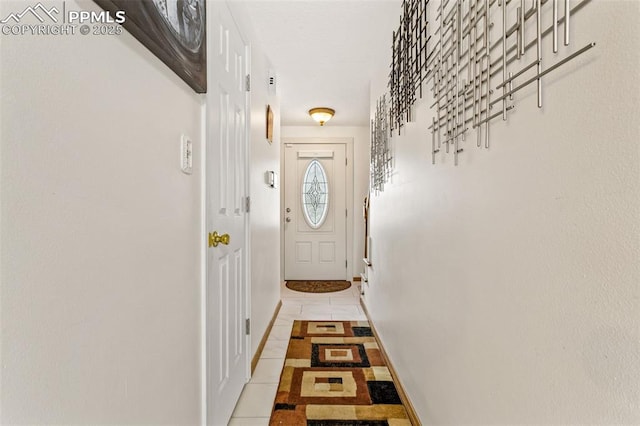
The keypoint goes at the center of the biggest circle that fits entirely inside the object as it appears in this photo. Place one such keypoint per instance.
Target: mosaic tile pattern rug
(334, 375)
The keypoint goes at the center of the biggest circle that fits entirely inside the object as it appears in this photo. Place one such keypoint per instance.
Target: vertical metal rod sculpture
(488, 107)
(464, 108)
(438, 74)
(473, 81)
(437, 92)
(567, 12)
(480, 80)
(486, 24)
(380, 154)
(523, 18)
(455, 151)
(504, 57)
(480, 62)
(472, 64)
(458, 58)
(555, 26)
(518, 37)
(539, 49)
(487, 54)
(441, 31)
(470, 43)
(511, 85)
(433, 141)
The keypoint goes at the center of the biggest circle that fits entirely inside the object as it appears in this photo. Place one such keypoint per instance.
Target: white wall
(100, 233)
(360, 137)
(506, 290)
(265, 201)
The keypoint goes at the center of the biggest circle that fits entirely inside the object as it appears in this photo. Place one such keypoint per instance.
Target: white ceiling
(324, 52)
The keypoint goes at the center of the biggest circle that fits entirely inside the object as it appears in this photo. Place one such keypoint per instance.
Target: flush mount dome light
(321, 115)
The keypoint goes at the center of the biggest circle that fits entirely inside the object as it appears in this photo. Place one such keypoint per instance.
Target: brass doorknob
(215, 239)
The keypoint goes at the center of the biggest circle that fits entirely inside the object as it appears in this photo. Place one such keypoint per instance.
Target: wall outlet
(186, 155)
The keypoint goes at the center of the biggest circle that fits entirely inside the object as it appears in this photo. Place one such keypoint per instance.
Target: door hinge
(247, 326)
(248, 83)
(345, 264)
(247, 204)
(346, 212)
(346, 161)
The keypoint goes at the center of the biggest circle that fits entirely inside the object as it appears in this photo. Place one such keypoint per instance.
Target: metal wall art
(484, 52)
(409, 61)
(380, 153)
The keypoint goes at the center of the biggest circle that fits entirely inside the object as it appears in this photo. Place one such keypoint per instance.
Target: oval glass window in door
(315, 194)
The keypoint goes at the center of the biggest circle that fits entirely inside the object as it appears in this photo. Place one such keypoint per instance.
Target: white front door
(226, 162)
(315, 212)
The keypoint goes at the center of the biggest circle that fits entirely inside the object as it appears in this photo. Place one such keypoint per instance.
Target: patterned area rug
(318, 286)
(334, 375)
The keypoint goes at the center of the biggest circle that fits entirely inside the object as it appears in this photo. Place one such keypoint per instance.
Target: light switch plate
(186, 155)
(271, 178)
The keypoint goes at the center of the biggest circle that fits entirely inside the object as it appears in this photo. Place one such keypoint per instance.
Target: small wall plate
(186, 155)
(269, 124)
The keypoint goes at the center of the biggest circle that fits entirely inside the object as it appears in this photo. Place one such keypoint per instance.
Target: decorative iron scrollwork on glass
(315, 194)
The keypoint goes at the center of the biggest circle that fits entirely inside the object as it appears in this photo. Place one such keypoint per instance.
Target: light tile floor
(254, 406)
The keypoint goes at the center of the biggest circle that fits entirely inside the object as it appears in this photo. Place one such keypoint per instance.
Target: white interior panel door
(226, 162)
(315, 212)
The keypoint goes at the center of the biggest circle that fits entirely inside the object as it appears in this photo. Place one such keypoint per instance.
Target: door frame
(348, 142)
(247, 205)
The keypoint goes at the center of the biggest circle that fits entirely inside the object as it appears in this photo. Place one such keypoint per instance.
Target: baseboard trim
(411, 412)
(263, 341)
(358, 278)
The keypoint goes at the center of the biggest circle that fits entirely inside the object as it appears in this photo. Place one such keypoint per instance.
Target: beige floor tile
(249, 421)
(275, 349)
(330, 309)
(343, 317)
(345, 301)
(267, 371)
(316, 310)
(346, 309)
(283, 321)
(280, 332)
(346, 293)
(290, 309)
(316, 317)
(315, 299)
(256, 400)
(288, 316)
(302, 301)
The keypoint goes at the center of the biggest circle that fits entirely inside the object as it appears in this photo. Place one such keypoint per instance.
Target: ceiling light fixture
(321, 115)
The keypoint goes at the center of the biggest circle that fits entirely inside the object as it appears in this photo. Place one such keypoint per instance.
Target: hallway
(256, 401)
(502, 259)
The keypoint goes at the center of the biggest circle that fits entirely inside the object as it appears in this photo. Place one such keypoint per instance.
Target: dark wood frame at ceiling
(147, 25)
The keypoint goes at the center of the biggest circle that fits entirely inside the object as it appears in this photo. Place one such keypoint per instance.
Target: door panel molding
(226, 351)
